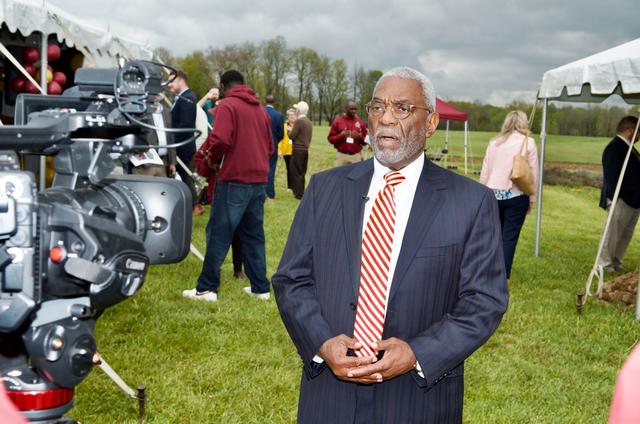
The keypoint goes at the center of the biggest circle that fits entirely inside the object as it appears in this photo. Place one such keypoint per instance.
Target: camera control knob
(58, 254)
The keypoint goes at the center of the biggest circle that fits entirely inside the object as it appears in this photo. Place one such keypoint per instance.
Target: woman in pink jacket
(513, 204)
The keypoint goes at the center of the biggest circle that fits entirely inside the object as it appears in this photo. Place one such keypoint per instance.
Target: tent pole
(597, 270)
(466, 145)
(543, 139)
(43, 83)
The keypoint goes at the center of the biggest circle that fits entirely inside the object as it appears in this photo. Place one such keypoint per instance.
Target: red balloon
(31, 89)
(30, 69)
(18, 84)
(53, 52)
(30, 54)
(60, 78)
(54, 88)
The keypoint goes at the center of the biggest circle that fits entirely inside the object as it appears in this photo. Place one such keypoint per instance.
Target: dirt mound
(576, 176)
(623, 288)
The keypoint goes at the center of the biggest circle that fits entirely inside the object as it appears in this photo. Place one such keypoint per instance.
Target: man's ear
(432, 123)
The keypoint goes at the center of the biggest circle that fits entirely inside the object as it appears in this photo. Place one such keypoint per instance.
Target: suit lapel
(353, 193)
(429, 198)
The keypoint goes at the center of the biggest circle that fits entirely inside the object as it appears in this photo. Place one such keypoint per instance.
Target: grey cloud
(487, 50)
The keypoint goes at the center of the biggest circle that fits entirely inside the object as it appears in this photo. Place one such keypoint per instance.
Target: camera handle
(140, 396)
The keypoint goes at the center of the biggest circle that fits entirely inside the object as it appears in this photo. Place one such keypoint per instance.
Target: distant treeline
(301, 73)
(291, 74)
(591, 121)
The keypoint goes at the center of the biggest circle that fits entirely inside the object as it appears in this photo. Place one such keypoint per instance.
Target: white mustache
(385, 133)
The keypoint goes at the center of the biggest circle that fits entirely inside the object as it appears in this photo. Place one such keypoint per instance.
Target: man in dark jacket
(241, 144)
(277, 131)
(627, 208)
(183, 115)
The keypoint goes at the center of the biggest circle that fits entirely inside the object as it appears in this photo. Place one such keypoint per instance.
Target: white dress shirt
(404, 193)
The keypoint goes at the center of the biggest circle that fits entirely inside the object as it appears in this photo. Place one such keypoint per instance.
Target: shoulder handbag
(521, 174)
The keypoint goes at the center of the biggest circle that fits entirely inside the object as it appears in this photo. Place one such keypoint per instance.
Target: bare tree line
(290, 74)
(301, 73)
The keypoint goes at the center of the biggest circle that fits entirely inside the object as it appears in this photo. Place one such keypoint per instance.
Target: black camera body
(70, 251)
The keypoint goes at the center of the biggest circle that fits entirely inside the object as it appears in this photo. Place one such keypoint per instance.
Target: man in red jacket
(240, 143)
(347, 135)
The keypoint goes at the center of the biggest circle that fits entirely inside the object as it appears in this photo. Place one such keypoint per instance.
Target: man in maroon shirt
(241, 144)
(347, 135)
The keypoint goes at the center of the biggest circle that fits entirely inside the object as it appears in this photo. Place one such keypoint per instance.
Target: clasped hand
(398, 359)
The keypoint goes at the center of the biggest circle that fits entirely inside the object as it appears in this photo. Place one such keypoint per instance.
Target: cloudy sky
(488, 50)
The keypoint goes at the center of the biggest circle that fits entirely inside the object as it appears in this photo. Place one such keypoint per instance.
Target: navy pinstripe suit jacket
(447, 297)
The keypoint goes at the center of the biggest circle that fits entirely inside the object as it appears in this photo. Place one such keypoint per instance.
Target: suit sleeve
(294, 283)
(611, 167)
(184, 117)
(295, 131)
(279, 129)
(482, 300)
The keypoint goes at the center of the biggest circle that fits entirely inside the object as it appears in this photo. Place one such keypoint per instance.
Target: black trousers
(512, 214)
(287, 161)
(186, 178)
(299, 160)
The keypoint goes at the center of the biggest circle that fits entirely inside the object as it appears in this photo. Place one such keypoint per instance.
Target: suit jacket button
(352, 306)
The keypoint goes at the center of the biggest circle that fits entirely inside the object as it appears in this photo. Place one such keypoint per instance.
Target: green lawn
(233, 362)
(559, 148)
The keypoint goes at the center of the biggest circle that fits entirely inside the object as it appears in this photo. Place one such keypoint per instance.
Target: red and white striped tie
(374, 266)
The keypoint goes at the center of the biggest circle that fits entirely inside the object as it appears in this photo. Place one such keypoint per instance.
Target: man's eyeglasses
(399, 110)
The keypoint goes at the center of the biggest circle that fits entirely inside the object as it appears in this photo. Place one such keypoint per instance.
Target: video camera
(86, 243)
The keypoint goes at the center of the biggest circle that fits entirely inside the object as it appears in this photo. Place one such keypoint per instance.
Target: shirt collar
(411, 172)
(183, 91)
(623, 138)
(271, 106)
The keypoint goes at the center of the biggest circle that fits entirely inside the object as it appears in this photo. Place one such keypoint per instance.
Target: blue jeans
(237, 207)
(273, 160)
(512, 214)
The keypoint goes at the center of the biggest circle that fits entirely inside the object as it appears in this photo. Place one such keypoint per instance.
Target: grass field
(559, 148)
(232, 361)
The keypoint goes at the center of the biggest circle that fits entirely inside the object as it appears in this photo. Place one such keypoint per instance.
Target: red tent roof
(448, 112)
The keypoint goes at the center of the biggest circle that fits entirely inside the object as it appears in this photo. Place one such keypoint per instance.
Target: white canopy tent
(592, 79)
(99, 47)
(34, 22)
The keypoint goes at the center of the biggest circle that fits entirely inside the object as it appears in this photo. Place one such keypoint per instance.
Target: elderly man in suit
(392, 275)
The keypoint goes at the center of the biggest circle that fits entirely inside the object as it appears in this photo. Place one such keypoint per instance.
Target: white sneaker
(261, 296)
(209, 296)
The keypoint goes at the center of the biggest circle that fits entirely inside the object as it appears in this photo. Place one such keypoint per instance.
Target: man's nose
(387, 117)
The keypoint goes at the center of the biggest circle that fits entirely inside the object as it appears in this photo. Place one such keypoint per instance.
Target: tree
(321, 80)
(241, 57)
(274, 66)
(303, 65)
(366, 82)
(198, 70)
(164, 55)
(332, 85)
